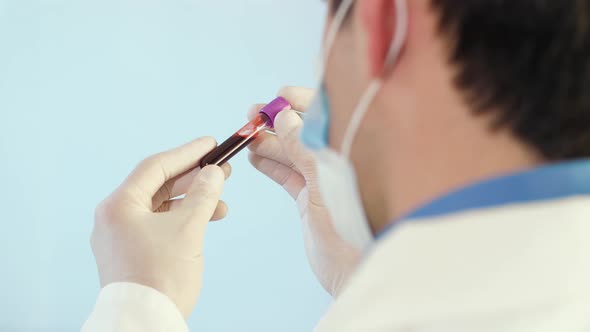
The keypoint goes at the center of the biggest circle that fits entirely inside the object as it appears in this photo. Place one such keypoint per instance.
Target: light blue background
(90, 87)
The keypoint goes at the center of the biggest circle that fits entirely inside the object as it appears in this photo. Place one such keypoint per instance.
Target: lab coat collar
(551, 182)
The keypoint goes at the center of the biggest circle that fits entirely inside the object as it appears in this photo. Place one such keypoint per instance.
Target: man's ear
(378, 21)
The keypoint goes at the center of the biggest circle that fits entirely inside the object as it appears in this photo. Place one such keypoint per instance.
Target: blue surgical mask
(315, 133)
(336, 174)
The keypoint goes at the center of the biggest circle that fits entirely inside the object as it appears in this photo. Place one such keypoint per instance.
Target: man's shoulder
(476, 262)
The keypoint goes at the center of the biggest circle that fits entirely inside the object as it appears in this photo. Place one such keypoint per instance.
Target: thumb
(288, 126)
(203, 195)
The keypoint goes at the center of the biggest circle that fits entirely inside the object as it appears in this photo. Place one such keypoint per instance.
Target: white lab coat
(513, 268)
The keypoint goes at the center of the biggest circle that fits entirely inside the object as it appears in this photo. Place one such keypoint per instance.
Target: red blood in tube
(237, 142)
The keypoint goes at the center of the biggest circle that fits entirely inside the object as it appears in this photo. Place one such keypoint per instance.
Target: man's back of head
(483, 88)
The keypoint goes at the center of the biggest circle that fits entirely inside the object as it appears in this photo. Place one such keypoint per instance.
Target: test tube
(264, 121)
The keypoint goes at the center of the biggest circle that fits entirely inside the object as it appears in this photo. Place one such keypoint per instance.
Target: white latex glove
(142, 237)
(284, 159)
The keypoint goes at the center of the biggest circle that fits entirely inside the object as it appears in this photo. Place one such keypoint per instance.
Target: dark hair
(529, 62)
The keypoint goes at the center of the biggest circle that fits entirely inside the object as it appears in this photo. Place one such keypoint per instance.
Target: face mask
(337, 177)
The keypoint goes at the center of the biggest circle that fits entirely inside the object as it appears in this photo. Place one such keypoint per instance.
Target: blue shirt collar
(550, 182)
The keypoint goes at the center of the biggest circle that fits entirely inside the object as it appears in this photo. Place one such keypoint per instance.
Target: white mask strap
(332, 33)
(397, 44)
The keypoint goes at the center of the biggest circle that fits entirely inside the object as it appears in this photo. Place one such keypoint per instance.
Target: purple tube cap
(274, 108)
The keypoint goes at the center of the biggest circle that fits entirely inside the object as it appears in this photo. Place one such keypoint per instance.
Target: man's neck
(435, 166)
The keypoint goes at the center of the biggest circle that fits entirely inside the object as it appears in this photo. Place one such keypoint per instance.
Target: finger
(220, 211)
(180, 184)
(226, 168)
(254, 110)
(269, 147)
(290, 180)
(299, 98)
(288, 126)
(203, 195)
(151, 174)
(169, 205)
(175, 204)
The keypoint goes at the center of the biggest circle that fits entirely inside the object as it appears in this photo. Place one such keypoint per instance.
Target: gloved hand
(141, 236)
(284, 159)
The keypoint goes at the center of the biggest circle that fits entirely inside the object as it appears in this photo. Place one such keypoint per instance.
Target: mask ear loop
(397, 44)
(331, 35)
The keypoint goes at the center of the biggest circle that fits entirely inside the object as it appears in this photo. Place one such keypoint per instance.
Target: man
(441, 177)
